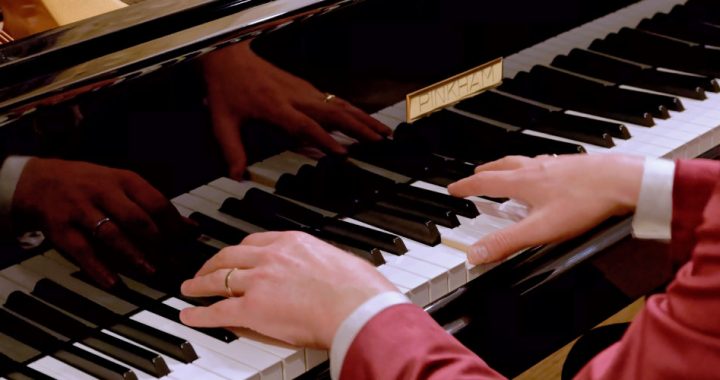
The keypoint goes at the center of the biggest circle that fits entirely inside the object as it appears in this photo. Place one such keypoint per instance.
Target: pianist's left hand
(566, 196)
(287, 285)
(89, 211)
(242, 86)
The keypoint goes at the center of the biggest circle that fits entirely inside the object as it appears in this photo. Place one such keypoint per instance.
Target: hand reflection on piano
(564, 201)
(70, 201)
(243, 86)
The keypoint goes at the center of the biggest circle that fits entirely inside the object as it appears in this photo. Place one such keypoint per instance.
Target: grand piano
(614, 76)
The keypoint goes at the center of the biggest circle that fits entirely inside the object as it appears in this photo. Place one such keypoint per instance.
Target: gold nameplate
(453, 90)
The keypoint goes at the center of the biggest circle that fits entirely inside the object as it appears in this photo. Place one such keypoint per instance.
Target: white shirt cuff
(352, 325)
(10, 173)
(653, 215)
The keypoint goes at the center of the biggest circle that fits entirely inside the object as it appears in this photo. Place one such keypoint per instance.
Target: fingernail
(477, 254)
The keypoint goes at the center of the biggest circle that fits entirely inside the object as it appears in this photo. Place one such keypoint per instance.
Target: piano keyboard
(136, 334)
(684, 134)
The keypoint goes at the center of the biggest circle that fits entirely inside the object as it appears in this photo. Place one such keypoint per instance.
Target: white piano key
(213, 354)
(141, 375)
(292, 359)
(59, 370)
(211, 194)
(388, 121)
(436, 255)
(440, 256)
(418, 288)
(178, 370)
(436, 276)
(314, 358)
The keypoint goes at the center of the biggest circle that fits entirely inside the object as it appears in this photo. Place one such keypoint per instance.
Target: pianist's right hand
(566, 196)
(69, 201)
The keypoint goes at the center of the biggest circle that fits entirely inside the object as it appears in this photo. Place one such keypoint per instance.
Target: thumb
(500, 244)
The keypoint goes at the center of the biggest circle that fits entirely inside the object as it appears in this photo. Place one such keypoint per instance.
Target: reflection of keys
(4, 37)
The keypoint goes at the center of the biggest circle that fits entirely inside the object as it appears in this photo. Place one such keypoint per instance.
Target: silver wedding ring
(329, 97)
(99, 225)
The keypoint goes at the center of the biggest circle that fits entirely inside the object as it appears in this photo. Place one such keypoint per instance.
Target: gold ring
(227, 283)
(329, 97)
(99, 224)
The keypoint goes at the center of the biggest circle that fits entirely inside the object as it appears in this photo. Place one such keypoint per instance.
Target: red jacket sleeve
(692, 187)
(677, 335)
(404, 342)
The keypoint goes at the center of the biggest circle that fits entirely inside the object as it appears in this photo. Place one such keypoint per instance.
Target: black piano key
(525, 115)
(371, 255)
(459, 206)
(372, 238)
(437, 215)
(388, 189)
(261, 203)
(623, 72)
(412, 160)
(12, 370)
(73, 329)
(587, 102)
(682, 29)
(695, 13)
(272, 212)
(170, 345)
(218, 230)
(327, 181)
(587, 93)
(84, 308)
(453, 135)
(76, 357)
(659, 52)
(418, 229)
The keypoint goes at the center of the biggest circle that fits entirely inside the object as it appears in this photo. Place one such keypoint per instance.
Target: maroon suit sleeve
(677, 334)
(403, 342)
(692, 187)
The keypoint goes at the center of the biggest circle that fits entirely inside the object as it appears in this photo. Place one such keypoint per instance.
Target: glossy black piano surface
(371, 53)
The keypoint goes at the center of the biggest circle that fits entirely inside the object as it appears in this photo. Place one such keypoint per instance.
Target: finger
(529, 232)
(132, 217)
(333, 115)
(262, 239)
(161, 212)
(501, 184)
(225, 313)
(240, 256)
(213, 284)
(110, 235)
(505, 163)
(302, 125)
(228, 135)
(70, 241)
(366, 119)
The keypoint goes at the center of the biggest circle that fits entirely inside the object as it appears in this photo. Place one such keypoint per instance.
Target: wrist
(626, 173)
